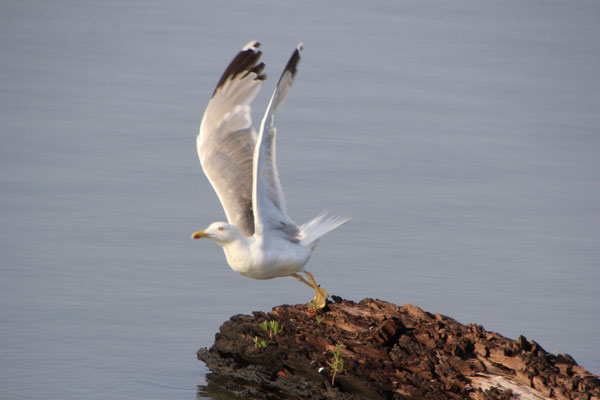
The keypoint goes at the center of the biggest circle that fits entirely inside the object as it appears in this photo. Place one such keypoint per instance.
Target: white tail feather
(319, 226)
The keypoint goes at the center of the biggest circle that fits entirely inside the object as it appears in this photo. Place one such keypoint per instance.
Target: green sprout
(259, 344)
(274, 328)
(313, 306)
(271, 327)
(313, 309)
(337, 364)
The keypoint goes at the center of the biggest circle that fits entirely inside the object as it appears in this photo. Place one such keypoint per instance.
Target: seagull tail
(325, 222)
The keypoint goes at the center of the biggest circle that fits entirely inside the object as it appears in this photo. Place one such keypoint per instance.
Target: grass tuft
(337, 364)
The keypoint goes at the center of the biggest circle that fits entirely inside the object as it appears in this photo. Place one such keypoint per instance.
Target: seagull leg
(321, 294)
(301, 279)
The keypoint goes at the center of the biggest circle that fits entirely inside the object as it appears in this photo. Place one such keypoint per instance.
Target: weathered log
(388, 352)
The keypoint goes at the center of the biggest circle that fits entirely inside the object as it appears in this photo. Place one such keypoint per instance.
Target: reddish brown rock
(389, 352)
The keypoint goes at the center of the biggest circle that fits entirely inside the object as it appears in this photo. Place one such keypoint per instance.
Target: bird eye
(220, 228)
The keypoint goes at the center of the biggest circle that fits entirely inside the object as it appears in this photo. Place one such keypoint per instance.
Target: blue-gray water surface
(462, 137)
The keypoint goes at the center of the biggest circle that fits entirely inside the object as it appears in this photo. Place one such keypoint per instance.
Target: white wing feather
(226, 139)
(268, 200)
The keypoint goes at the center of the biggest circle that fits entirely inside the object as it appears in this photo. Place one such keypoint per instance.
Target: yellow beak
(201, 235)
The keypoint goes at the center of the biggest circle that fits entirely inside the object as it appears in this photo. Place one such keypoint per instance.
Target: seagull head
(220, 232)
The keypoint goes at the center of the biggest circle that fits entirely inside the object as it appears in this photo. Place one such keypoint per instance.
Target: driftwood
(388, 352)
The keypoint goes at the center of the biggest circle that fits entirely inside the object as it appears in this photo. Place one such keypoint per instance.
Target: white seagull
(260, 240)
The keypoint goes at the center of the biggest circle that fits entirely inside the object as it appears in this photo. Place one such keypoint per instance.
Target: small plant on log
(313, 306)
(274, 328)
(271, 327)
(259, 343)
(337, 364)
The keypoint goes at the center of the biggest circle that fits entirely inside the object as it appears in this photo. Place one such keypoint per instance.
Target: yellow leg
(301, 279)
(321, 294)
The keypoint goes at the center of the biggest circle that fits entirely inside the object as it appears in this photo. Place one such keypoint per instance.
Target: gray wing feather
(226, 140)
(268, 198)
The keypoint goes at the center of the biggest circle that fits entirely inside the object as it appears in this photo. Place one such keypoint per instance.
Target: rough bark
(388, 352)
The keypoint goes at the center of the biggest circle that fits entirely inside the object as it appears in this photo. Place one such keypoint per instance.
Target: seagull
(259, 239)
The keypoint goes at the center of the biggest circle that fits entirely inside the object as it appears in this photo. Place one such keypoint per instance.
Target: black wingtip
(292, 65)
(257, 69)
(244, 62)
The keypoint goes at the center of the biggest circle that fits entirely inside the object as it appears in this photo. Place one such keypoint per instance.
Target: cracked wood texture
(389, 352)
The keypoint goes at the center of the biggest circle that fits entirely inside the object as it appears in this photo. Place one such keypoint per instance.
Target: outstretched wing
(226, 140)
(268, 199)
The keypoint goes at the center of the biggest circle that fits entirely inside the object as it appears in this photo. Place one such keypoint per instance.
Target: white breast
(258, 261)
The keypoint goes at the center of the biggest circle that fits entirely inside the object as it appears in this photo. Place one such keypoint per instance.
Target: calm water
(463, 139)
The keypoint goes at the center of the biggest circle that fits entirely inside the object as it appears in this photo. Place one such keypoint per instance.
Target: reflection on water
(214, 389)
(462, 139)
